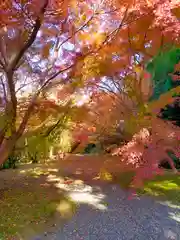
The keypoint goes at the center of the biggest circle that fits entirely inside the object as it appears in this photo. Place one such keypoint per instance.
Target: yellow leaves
(90, 68)
(98, 38)
(105, 175)
(95, 39)
(83, 17)
(9, 132)
(137, 121)
(139, 72)
(77, 83)
(85, 37)
(138, 69)
(143, 82)
(129, 84)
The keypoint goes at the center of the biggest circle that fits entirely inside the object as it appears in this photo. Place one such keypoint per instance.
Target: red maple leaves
(147, 150)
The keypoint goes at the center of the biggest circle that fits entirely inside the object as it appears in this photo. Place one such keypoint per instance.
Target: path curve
(119, 218)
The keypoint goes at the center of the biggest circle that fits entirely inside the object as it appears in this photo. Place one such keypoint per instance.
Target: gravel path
(106, 213)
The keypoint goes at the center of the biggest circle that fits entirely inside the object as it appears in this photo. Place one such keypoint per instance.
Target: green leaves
(163, 63)
(160, 67)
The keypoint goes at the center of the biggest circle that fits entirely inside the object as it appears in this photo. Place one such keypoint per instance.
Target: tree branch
(13, 106)
(31, 39)
(3, 61)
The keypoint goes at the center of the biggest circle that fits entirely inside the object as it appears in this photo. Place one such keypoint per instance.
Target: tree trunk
(171, 163)
(6, 149)
(74, 147)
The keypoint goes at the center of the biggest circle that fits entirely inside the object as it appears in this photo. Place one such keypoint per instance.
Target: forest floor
(35, 197)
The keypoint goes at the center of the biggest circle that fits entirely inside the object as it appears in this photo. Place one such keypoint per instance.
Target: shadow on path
(105, 213)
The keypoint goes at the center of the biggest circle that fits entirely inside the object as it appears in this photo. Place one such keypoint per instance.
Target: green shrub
(11, 162)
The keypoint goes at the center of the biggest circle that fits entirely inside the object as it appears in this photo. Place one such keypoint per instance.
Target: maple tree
(37, 54)
(123, 61)
(76, 44)
(151, 144)
(129, 47)
(128, 81)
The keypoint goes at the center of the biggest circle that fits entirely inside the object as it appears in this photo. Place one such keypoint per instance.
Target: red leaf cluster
(147, 150)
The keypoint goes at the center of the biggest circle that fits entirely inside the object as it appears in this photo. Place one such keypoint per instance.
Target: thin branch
(78, 30)
(24, 84)
(82, 27)
(34, 98)
(31, 40)
(117, 85)
(60, 121)
(25, 12)
(115, 31)
(12, 66)
(31, 105)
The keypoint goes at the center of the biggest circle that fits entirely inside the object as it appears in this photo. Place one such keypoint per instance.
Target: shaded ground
(29, 203)
(106, 213)
(95, 209)
(119, 219)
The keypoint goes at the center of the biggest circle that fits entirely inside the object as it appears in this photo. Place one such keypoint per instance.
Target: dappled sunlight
(105, 175)
(171, 205)
(80, 76)
(53, 195)
(78, 171)
(34, 171)
(53, 169)
(74, 187)
(173, 195)
(66, 208)
(94, 200)
(54, 178)
(37, 171)
(175, 216)
(26, 209)
(150, 192)
(28, 191)
(167, 185)
(79, 192)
